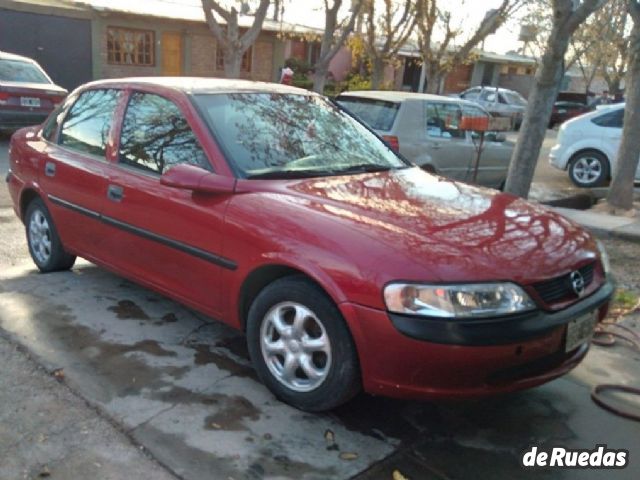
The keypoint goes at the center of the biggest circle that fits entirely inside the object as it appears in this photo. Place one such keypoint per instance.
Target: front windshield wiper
(289, 174)
(363, 168)
(300, 173)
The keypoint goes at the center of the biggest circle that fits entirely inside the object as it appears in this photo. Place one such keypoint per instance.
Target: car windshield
(275, 135)
(514, 98)
(19, 71)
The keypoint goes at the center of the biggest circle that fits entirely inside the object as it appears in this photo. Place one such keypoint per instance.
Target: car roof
(200, 85)
(13, 56)
(489, 87)
(394, 96)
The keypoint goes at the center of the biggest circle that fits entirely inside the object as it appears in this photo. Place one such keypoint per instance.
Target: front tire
(44, 243)
(301, 347)
(589, 169)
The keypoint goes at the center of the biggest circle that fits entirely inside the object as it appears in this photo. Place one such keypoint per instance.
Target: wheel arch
(27, 195)
(263, 275)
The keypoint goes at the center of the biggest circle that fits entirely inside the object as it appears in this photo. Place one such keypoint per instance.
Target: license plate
(580, 330)
(29, 102)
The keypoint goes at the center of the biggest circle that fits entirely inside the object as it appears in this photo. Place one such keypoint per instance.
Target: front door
(172, 54)
(166, 237)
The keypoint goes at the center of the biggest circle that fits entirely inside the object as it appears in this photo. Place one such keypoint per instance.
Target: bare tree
(440, 58)
(568, 15)
(621, 191)
(386, 32)
(600, 45)
(231, 42)
(334, 37)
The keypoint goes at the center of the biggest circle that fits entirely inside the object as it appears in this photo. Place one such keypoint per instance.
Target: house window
(245, 66)
(126, 46)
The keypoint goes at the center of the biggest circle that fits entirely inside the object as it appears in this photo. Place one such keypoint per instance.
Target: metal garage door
(61, 45)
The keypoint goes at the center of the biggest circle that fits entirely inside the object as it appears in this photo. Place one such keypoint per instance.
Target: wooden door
(171, 53)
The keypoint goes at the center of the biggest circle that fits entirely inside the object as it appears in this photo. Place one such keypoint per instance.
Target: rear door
(166, 237)
(449, 147)
(74, 171)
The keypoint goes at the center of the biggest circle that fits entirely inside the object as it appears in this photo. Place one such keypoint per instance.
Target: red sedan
(271, 209)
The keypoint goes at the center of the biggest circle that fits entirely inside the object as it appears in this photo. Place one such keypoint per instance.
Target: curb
(603, 225)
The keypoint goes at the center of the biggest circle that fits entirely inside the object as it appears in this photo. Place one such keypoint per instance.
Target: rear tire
(301, 347)
(44, 243)
(589, 168)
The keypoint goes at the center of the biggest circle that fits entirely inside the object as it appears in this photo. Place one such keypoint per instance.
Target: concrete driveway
(180, 386)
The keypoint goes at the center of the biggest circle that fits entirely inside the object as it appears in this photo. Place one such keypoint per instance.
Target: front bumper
(397, 365)
(556, 158)
(499, 330)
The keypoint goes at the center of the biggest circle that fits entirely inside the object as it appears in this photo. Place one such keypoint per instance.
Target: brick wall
(203, 58)
(199, 51)
(458, 79)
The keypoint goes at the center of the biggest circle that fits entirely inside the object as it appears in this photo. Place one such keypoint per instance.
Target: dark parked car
(348, 267)
(27, 94)
(564, 110)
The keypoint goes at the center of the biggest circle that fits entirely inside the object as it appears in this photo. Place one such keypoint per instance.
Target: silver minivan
(426, 129)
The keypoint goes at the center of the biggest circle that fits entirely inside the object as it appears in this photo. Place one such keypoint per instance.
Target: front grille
(559, 288)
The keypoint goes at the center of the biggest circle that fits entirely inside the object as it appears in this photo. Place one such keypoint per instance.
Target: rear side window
(610, 119)
(156, 136)
(443, 120)
(19, 71)
(378, 114)
(86, 127)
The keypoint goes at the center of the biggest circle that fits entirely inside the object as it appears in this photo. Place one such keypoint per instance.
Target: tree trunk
(536, 119)
(621, 191)
(320, 78)
(434, 83)
(232, 63)
(377, 73)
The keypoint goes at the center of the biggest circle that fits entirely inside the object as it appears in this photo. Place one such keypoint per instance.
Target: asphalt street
(106, 379)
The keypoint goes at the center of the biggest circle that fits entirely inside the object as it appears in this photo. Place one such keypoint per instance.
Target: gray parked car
(425, 129)
(500, 102)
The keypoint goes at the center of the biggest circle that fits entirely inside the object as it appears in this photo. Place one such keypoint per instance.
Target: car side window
(611, 119)
(471, 94)
(488, 96)
(156, 136)
(87, 124)
(443, 120)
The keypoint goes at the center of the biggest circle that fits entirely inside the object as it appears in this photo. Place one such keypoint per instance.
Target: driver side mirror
(190, 177)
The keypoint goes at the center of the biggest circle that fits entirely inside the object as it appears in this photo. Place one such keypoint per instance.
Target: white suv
(587, 146)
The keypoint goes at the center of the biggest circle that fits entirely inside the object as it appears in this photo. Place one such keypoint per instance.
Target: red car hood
(408, 224)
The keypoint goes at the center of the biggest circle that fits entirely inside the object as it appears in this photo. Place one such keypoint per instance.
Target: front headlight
(465, 300)
(604, 257)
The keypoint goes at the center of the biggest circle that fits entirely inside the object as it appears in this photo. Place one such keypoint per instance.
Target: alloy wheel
(40, 236)
(295, 346)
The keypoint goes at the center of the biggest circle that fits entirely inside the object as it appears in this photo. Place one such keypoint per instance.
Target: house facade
(77, 41)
